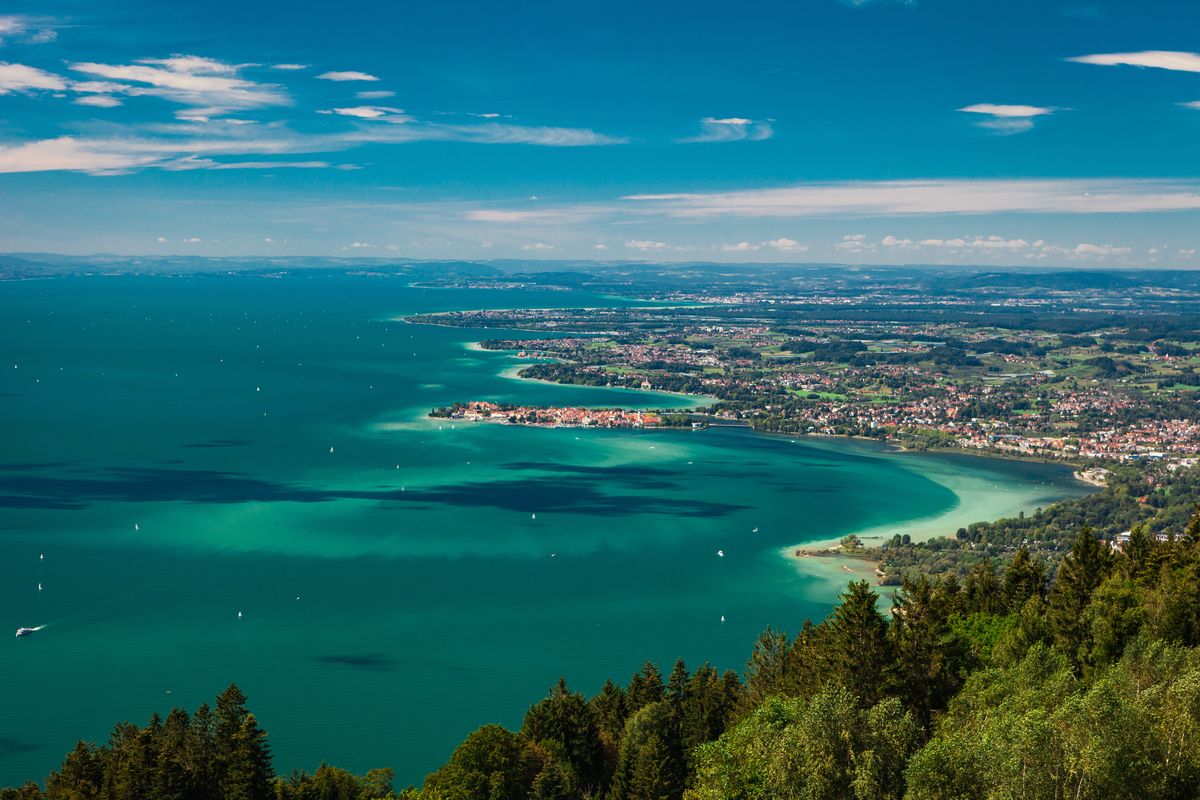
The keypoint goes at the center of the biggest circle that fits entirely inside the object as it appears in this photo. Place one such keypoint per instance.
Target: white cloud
(915, 197)
(347, 76)
(1192, 104)
(98, 100)
(537, 246)
(209, 87)
(192, 240)
(360, 245)
(68, 153)
(370, 112)
(1187, 251)
(183, 146)
(781, 245)
(377, 94)
(1086, 249)
(487, 133)
(192, 65)
(993, 246)
(30, 30)
(645, 244)
(1007, 111)
(20, 78)
(855, 243)
(786, 245)
(1006, 119)
(290, 67)
(161, 240)
(1157, 59)
(730, 129)
(976, 243)
(117, 155)
(599, 246)
(496, 215)
(192, 162)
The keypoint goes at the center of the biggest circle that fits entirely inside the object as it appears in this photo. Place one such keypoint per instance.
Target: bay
(233, 479)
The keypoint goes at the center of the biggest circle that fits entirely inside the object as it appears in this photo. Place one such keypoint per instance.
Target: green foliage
(491, 764)
(205, 756)
(1033, 730)
(825, 747)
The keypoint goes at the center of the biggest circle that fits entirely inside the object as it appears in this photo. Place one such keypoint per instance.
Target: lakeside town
(549, 416)
(1105, 373)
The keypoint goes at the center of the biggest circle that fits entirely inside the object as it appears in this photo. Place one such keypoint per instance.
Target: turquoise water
(182, 450)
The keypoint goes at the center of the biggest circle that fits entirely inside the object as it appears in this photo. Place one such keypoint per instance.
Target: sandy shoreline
(978, 500)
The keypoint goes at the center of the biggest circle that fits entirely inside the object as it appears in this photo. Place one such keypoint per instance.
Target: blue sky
(934, 131)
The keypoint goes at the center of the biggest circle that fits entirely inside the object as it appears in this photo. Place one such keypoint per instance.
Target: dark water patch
(218, 443)
(127, 484)
(644, 477)
(370, 662)
(15, 747)
(379, 662)
(25, 466)
(568, 496)
(580, 469)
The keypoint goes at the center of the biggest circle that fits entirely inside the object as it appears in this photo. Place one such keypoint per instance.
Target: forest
(1159, 500)
(1003, 685)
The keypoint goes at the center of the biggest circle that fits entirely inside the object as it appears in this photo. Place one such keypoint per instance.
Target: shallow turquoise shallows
(232, 479)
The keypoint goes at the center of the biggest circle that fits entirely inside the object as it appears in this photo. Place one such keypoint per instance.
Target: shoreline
(512, 374)
(824, 560)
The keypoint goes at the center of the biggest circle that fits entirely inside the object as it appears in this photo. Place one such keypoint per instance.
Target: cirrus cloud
(947, 196)
(1174, 60)
(21, 78)
(348, 75)
(730, 129)
(30, 30)
(208, 87)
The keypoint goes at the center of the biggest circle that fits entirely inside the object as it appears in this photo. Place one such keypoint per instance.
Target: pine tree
(650, 766)
(248, 774)
(1024, 578)
(564, 723)
(855, 647)
(1084, 569)
(982, 591)
(80, 777)
(201, 754)
(554, 782)
(610, 708)
(1135, 561)
(929, 661)
(654, 775)
(766, 668)
(645, 687)
(172, 778)
(677, 686)
(706, 710)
